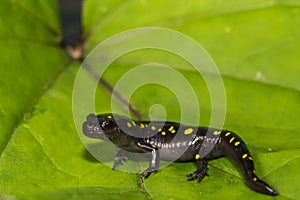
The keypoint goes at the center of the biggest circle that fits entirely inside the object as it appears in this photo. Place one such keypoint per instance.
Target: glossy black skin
(177, 144)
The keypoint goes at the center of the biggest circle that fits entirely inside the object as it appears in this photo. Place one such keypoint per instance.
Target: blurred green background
(255, 45)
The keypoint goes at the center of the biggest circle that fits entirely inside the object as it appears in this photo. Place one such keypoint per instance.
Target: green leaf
(30, 61)
(254, 44)
(88, 194)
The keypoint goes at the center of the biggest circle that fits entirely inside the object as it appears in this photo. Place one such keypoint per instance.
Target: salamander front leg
(154, 163)
(200, 173)
(121, 157)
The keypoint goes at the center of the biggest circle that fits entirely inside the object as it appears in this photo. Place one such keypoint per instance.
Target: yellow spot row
(188, 131)
(129, 125)
(249, 157)
(217, 132)
(244, 156)
(228, 133)
(236, 143)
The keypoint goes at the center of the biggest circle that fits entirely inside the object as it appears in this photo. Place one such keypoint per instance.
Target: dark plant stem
(71, 21)
(110, 89)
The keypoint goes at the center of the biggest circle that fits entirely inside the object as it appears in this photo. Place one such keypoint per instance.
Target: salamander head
(103, 125)
(98, 126)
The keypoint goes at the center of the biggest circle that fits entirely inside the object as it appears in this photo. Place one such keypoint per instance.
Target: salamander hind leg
(200, 173)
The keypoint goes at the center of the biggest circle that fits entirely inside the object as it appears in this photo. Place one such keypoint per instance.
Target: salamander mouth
(92, 130)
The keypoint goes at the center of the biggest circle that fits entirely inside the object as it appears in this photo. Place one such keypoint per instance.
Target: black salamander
(166, 140)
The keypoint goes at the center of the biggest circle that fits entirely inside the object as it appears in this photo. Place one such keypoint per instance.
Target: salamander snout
(91, 127)
(92, 118)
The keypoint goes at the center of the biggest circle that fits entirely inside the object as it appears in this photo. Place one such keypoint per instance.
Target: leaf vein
(47, 154)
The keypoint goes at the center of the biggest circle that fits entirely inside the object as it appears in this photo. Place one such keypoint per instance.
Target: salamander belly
(179, 152)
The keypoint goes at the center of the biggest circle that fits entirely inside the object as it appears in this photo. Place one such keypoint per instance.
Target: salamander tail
(237, 150)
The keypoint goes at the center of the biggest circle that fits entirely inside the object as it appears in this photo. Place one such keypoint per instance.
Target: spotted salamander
(169, 140)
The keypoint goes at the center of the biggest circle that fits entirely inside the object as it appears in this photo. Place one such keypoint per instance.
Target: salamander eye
(107, 123)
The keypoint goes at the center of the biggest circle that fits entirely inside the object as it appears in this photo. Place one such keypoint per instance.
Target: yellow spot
(129, 125)
(159, 130)
(254, 171)
(109, 117)
(173, 131)
(216, 132)
(250, 158)
(236, 143)
(142, 125)
(133, 123)
(254, 179)
(153, 128)
(171, 128)
(188, 131)
(244, 156)
(231, 139)
(163, 133)
(146, 125)
(197, 156)
(228, 133)
(153, 145)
